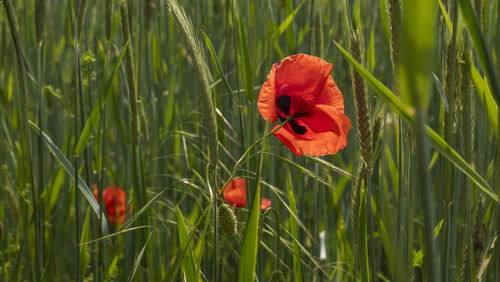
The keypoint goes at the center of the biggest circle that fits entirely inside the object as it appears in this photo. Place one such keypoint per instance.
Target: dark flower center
(284, 106)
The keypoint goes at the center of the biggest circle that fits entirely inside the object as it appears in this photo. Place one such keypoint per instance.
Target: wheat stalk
(196, 51)
(395, 22)
(365, 139)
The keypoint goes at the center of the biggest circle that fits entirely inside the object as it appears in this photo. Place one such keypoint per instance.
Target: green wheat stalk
(197, 53)
(139, 186)
(394, 8)
(40, 8)
(467, 119)
(26, 144)
(365, 141)
(449, 132)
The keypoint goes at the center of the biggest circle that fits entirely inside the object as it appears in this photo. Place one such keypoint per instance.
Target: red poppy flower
(300, 86)
(235, 194)
(115, 201)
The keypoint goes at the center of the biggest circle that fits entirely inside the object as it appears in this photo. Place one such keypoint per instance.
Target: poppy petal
(235, 192)
(115, 203)
(302, 78)
(331, 96)
(265, 204)
(325, 132)
(326, 118)
(267, 98)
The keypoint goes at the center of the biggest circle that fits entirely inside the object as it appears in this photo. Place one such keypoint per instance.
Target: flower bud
(277, 276)
(227, 220)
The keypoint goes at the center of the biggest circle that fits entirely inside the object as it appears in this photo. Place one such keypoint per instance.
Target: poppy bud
(227, 220)
(277, 276)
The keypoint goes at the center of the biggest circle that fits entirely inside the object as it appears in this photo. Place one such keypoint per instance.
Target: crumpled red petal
(115, 202)
(265, 204)
(267, 98)
(326, 132)
(331, 96)
(302, 78)
(235, 194)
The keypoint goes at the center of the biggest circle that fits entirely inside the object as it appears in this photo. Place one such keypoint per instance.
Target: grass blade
(402, 110)
(287, 21)
(297, 265)
(95, 115)
(139, 258)
(439, 88)
(187, 261)
(445, 16)
(248, 260)
(247, 62)
(172, 271)
(84, 256)
(480, 45)
(65, 163)
(484, 94)
(217, 63)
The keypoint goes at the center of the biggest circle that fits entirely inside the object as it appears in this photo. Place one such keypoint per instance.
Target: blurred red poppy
(115, 201)
(235, 194)
(300, 86)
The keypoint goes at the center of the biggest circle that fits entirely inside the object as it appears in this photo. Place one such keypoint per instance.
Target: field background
(136, 94)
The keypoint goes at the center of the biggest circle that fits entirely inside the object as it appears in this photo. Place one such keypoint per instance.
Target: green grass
(163, 103)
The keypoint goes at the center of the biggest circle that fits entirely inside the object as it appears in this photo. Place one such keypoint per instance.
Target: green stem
(316, 215)
(427, 200)
(242, 158)
(75, 157)
(137, 180)
(257, 193)
(450, 229)
(497, 210)
(100, 246)
(25, 132)
(40, 217)
(278, 237)
(371, 247)
(216, 198)
(240, 106)
(409, 239)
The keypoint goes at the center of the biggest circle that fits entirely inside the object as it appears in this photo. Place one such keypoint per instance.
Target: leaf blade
(248, 260)
(297, 266)
(82, 186)
(96, 113)
(401, 109)
(479, 44)
(187, 261)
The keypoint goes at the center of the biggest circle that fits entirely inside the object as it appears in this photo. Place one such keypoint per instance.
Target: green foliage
(294, 231)
(188, 262)
(122, 93)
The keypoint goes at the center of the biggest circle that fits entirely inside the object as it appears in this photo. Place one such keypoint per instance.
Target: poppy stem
(278, 233)
(245, 154)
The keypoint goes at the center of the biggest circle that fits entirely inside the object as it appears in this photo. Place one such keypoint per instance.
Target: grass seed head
(39, 18)
(365, 139)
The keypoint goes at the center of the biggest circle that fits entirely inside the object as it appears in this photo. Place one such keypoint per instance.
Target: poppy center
(284, 106)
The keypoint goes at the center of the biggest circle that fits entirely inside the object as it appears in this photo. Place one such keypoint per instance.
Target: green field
(164, 101)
